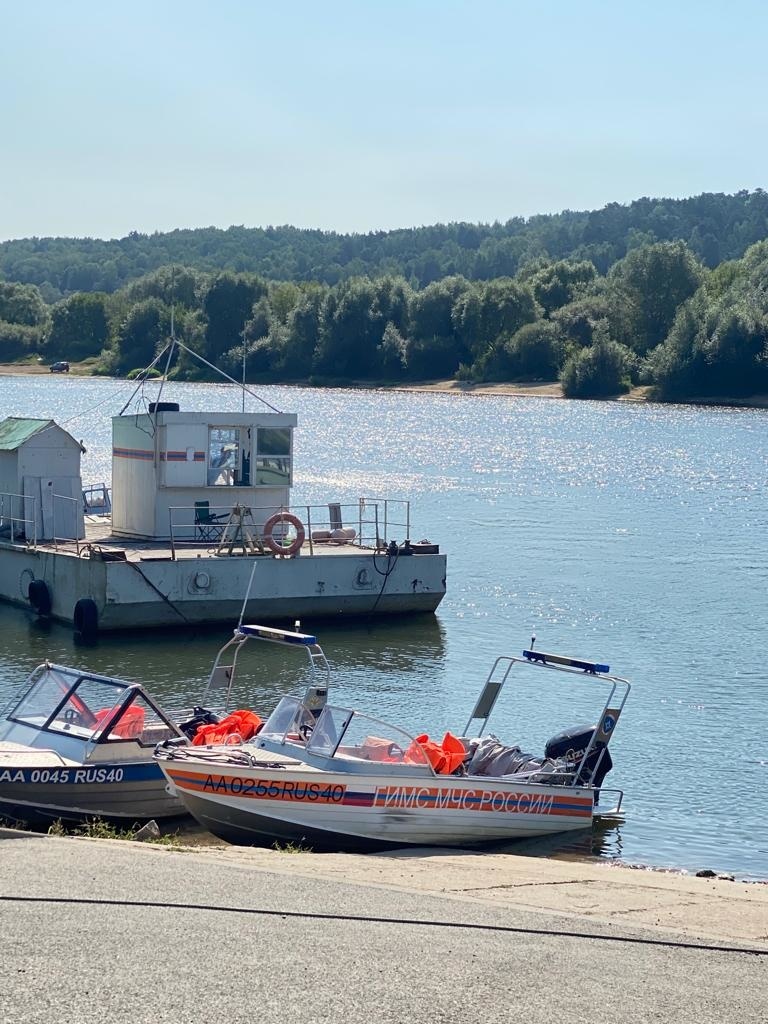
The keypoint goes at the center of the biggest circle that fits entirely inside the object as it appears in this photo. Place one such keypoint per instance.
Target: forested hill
(716, 227)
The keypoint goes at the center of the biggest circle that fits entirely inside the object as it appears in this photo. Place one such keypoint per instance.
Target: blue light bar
(282, 636)
(558, 659)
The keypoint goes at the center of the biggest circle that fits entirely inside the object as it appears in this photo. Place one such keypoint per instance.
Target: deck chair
(208, 527)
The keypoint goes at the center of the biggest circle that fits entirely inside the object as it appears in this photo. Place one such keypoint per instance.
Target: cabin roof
(16, 430)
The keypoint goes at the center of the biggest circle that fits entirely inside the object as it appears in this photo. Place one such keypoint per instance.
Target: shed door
(57, 507)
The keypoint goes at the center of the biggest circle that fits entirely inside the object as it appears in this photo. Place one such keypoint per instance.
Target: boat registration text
(423, 798)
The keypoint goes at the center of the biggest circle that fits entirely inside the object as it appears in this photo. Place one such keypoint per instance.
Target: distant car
(61, 367)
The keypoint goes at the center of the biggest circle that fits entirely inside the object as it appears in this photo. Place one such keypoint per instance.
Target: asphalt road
(86, 934)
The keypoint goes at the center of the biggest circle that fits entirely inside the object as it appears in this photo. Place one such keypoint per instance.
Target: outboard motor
(571, 744)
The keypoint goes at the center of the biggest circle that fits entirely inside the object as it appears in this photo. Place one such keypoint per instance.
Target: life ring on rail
(284, 517)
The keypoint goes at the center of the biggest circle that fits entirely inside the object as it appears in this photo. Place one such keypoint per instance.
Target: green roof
(15, 430)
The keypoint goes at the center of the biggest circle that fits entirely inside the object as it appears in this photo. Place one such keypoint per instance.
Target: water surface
(632, 534)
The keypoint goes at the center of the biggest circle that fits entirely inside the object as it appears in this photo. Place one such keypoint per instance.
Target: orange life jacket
(130, 726)
(444, 757)
(243, 724)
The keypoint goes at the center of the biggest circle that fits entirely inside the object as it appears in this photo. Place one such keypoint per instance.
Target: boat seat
(208, 527)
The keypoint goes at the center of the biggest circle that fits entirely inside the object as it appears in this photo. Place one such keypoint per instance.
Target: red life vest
(242, 724)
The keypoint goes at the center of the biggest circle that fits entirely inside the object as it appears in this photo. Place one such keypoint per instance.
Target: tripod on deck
(240, 531)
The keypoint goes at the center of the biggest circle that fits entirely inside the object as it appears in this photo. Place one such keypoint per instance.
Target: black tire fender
(86, 618)
(39, 596)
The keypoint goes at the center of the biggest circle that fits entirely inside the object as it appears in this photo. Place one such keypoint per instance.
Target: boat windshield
(340, 732)
(90, 707)
(291, 720)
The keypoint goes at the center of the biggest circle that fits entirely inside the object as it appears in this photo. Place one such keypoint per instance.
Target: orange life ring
(284, 517)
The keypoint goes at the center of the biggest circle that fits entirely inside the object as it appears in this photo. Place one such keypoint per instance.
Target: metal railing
(12, 520)
(368, 523)
(67, 540)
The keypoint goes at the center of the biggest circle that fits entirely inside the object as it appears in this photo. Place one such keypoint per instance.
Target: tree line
(714, 226)
(658, 316)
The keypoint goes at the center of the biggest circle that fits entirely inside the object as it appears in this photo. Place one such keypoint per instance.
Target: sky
(360, 116)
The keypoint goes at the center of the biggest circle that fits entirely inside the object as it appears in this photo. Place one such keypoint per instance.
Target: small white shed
(41, 491)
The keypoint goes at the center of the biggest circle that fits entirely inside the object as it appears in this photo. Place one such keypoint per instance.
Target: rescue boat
(330, 777)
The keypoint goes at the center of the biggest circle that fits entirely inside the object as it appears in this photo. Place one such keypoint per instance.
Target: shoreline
(543, 389)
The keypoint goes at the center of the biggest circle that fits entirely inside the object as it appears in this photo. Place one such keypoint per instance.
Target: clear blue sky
(149, 116)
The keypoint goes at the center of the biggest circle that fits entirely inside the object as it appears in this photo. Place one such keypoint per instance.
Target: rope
(391, 563)
(161, 594)
(363, 919)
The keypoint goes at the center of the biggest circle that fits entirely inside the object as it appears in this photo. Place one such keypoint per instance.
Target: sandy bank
(548, 389)
(38, 369)
(553, 390)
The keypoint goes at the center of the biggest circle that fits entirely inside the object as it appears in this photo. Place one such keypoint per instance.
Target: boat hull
(160, 591)
(339, 811)
(118, 792)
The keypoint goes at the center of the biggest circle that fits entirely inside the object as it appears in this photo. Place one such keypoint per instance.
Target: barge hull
(150, 590)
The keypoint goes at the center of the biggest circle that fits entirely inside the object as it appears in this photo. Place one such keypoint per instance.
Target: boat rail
(610, 812)
(223, 676)
(619, 689)
(367, 523)
(13, 519)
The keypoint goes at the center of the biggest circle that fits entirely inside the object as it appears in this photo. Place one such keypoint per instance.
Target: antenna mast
(242, 335)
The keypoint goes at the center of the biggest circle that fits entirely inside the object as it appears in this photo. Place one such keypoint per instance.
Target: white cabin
(41, 492)
(170, 469)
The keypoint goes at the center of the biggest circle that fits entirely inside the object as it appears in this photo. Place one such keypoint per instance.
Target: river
(633, 534)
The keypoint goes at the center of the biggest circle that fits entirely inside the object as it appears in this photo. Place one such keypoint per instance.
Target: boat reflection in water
(393, 658)
(603, 841)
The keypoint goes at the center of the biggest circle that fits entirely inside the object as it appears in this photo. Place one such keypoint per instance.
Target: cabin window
(235, 461)
(273, 457)
(224, 454)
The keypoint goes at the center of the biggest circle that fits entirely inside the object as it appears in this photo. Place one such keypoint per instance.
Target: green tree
(350, 332)
(491, 309)
(79, 326)
(657, 280)
(141, 335)
(294, 359)
(557, 284)
(600, 371)
(17, 341)
(536, 352)
(393, 352)
(718, 344)
(22, 304)
(431, 309)
(227, 305)
(175, 286)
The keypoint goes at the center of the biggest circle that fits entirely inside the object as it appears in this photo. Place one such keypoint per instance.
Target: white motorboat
(76, 745)
(332, 777)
